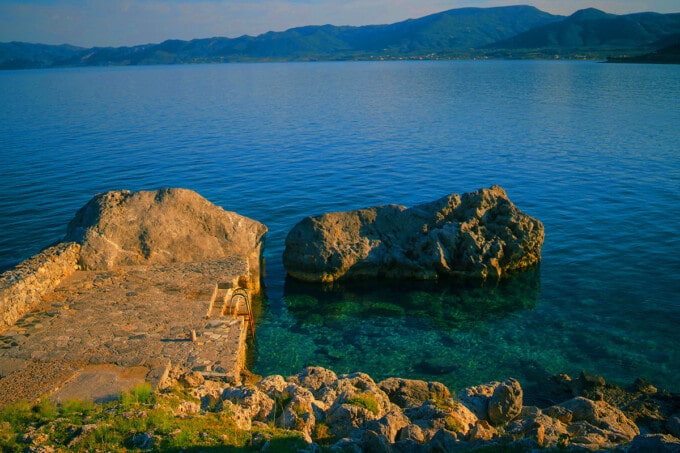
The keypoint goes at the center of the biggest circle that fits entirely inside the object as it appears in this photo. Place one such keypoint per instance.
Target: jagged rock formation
(479, 235)
(351, 412)
(121, 228)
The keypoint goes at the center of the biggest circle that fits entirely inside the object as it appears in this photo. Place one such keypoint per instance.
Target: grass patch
(138, 420)
(453, 424)
(18, 414)
(46, 410)
(367, 401)
(140, 394)
(76, 410)
(322, 434)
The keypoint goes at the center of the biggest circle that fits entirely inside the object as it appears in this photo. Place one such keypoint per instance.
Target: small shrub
(17, 414)
(453, 424)
(284, 440)
(76, 409)
(444, 403)
(140, 394)
(322, 433)
(280, 404)
(367, 401)
(46, 410)
(102, 438)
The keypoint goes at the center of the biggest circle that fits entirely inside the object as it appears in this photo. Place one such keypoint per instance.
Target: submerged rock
(479, 235)
(121, 228)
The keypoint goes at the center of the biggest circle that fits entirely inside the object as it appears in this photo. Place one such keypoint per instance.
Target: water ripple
(278, 142)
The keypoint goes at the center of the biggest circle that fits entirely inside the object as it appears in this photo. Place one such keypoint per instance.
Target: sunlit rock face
(479, 235)
(122, 228)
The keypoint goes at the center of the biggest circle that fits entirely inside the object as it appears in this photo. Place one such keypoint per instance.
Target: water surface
(590, 149)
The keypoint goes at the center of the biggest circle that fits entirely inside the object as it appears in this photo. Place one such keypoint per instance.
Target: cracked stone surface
(137, 317)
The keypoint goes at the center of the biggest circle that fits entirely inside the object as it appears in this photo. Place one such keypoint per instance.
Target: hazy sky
(128, 22)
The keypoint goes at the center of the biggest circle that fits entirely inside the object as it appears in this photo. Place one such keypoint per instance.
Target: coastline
(52, 366)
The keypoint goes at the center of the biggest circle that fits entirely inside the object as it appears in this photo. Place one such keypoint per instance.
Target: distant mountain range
(502, 32)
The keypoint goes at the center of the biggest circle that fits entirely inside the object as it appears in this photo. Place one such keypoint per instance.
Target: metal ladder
(237, 295)
(232, 300)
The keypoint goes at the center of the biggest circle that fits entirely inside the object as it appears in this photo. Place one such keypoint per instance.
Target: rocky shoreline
(403, 415)
(353, 413)
(151, 253)
(317, 410)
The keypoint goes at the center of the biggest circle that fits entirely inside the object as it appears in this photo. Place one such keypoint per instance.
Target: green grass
(137, 420)
(140, 394)
(367, 401)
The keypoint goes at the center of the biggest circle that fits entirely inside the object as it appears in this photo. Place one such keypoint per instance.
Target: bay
(590, 149)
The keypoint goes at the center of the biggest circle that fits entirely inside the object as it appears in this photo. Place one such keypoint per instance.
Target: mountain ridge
(519, 31)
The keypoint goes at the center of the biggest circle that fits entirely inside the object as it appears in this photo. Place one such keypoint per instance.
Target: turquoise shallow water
(590, 149)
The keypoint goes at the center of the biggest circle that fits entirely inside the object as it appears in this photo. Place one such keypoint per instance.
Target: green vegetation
(367, 401)
(322, 433)
(140, 420)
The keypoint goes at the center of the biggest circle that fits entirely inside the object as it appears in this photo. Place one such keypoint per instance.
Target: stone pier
(101, 332)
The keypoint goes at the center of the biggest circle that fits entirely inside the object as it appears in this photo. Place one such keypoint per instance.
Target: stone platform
(102, 332)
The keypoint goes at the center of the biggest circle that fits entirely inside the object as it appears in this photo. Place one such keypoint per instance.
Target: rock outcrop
(351, 412)
(122, 228)
(479, 235)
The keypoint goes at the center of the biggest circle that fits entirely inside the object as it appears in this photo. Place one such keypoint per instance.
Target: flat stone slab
(100, 383)
(132, 317)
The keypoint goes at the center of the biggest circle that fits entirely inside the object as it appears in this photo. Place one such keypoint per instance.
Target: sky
(90, 23)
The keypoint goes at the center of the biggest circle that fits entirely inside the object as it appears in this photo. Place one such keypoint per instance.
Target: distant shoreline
(508, 32)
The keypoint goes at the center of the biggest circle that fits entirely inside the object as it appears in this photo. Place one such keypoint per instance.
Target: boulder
(479, 235)
(163, 226)
(238, 414)
(596, 423)
(255, 404)
(659, 443)
(272, 385)
(476, 398)
(506, 402)
(316, 379)
(409, 393)
(432, 417)
(482, 430)
(358, 400)
(388, 426)
(413, 433)
(544, 430)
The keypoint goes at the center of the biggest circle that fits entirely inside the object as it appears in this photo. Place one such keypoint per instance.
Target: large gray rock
(164, 226)
(410, 393)
(478, 235)
(506, 402)
(596, 424)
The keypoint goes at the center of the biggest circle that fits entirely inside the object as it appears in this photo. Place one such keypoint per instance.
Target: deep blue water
(592, 150)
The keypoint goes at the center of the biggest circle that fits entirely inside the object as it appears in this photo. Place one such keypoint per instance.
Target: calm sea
(593, 150)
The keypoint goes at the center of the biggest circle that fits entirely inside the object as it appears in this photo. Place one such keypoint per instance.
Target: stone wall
(22, 288)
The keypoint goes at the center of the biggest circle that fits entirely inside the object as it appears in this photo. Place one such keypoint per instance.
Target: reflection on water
(439, 305)
(419, 330)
